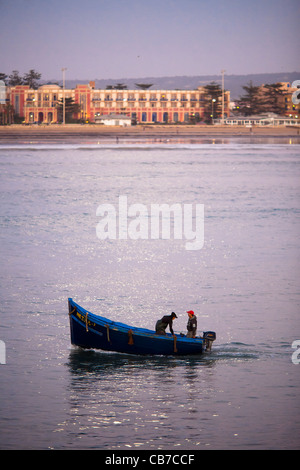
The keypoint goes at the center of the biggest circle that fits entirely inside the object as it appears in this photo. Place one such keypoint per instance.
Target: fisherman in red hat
(191, 325)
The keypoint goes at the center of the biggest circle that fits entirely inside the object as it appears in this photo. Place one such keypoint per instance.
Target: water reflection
(94, 362)
(136, 141)
(126, 401)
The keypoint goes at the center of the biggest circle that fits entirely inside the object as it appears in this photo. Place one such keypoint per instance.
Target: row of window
(132, 97)
(42, 97)
(166, 117)
(143, 104)
(119, 105)
(120, 97)
(260, 122)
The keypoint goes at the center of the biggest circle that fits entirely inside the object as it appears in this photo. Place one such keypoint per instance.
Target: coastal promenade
(18, 133)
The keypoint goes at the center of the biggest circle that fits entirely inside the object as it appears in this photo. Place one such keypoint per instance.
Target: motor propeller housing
(209, 337)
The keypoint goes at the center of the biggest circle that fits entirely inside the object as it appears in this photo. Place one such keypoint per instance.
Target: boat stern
(209, 337)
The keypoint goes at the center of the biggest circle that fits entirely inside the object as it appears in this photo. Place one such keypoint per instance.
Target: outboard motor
(209, 337)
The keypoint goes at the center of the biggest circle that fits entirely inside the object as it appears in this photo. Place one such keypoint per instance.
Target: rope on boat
(175, 345)
(130, 335)
(72, 311)
(107, 331)
(86, 322)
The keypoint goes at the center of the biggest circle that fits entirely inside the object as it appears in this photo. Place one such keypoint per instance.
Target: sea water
(243, 284)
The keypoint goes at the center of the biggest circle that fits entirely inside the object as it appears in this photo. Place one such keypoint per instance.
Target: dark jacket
(162, 324)
(192, 324)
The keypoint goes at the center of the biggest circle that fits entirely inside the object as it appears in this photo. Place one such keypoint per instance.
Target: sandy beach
(18, 133)
(169, 130)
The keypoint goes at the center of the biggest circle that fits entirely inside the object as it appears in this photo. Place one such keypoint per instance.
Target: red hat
(191, 312)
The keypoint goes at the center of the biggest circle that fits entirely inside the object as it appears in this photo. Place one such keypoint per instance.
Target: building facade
(262, 120)
(113, 120)
(44, 105)
(292, 110)
(142, 106)
(39, 105)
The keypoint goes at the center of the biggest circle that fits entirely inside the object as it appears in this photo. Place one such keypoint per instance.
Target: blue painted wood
(95, 332)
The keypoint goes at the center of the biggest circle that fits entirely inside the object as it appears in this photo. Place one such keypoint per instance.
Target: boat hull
(91, 331)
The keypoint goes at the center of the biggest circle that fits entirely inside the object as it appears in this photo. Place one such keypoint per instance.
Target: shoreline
(17, 132)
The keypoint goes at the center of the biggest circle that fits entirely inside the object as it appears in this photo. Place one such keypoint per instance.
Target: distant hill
(234, 83)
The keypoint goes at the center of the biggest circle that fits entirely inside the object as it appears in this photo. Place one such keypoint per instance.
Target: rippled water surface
(243, 284)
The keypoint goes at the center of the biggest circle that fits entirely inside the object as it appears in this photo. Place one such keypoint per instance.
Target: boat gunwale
(124, 328)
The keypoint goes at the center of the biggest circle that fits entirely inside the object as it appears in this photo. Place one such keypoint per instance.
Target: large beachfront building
(142, 106)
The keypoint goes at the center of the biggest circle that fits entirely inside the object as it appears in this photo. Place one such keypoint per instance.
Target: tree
(14, 79)
(70, 108)
(144, 86)
(213, 102)
(6, 114)
(273, 98)
(262, 99)
(3, 77)
(251, 102)
(118, 86)
(31, 79)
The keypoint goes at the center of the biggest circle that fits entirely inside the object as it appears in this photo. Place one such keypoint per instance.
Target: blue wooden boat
(91, 331)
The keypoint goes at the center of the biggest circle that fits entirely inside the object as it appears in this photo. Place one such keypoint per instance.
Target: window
(17, 104)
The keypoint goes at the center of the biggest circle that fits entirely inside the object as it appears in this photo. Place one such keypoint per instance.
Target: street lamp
(212, 109)
(64, 103)
(223, 91)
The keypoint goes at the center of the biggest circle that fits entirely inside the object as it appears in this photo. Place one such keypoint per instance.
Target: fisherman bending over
(162, 324)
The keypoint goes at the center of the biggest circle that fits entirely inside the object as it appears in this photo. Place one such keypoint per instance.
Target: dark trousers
(160, 328)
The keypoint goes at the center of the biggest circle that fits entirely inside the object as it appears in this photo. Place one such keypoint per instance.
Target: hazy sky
(138, 38)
